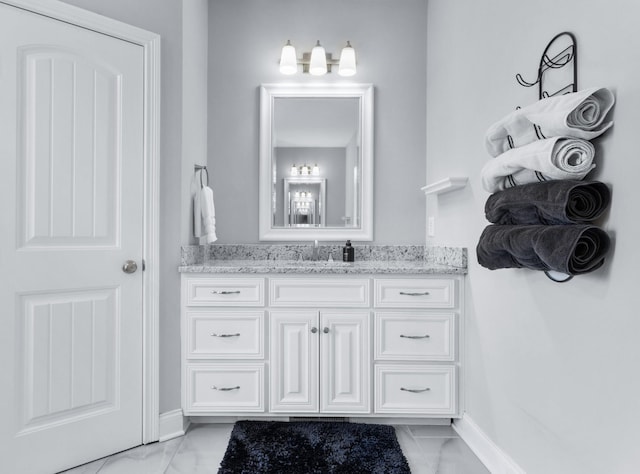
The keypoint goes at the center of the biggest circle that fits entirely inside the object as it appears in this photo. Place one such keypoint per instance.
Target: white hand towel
(197, 215)
(579, 114)
(542, 160)
(204, 216)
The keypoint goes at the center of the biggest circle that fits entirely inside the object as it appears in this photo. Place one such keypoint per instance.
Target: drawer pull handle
(407, 293)
(213, 334)
(415, 390)
(426, 336)
(225, 292)
(225, 389)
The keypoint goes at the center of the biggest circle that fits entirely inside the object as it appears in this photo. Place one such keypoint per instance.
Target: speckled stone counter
(295, 259)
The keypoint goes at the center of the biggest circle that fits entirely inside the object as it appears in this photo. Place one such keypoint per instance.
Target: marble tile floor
(428, 449)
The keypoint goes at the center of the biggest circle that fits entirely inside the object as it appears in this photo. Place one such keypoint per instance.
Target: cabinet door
(345, 362)
(294, 361)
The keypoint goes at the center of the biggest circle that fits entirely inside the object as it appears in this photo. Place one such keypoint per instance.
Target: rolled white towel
(579, 114)
(542, 160)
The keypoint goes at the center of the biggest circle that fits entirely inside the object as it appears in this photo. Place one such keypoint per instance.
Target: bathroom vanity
(296, 338)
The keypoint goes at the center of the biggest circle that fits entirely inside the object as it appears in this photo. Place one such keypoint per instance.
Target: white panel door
(294, 361)
(345, 362)
(71, 213)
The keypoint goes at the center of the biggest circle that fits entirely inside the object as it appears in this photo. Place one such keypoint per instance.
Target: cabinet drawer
(301, 292)
(225, 292)
(228, 387)
(225, 334)
(415, 336)
(414, 293)
(415, 389)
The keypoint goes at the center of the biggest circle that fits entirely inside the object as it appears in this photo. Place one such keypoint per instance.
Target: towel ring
(202, 168)
(558, 277)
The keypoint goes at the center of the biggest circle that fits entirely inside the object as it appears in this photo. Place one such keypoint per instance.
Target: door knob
(130, 266)
(314, 330)
(325, 330)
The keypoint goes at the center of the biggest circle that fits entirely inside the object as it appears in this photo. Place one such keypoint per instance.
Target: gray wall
(245, 39)
(165, 18)
(551, 369)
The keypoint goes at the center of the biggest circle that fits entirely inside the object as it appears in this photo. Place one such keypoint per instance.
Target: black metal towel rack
(567, 57)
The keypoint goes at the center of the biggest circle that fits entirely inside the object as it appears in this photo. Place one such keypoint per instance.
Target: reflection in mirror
(304, 202)
(316, 162)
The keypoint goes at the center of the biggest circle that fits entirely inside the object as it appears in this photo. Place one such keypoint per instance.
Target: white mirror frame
(268, 93)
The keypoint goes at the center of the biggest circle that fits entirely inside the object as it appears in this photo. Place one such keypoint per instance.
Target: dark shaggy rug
(261, 447)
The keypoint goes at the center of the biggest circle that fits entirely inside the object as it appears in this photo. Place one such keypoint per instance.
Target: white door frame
(150, 42)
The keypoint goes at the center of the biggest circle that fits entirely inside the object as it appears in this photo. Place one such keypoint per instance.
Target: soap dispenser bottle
(348, 252)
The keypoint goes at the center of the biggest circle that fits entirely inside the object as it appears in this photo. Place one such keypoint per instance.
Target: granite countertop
(322, 267)
(296, 259)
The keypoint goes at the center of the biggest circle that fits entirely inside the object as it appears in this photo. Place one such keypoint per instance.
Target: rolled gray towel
(571, 249)
(549, 202)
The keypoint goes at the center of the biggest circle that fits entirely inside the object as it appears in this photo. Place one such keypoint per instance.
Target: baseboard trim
(172, 424)
(494, 459)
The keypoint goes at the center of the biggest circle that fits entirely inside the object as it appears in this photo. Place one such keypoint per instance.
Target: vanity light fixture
(318, 62)
(305, 170)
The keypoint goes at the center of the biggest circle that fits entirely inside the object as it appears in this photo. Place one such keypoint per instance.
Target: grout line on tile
(178, 446)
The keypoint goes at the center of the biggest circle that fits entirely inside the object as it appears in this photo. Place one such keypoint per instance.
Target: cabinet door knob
(325, 330)
(314, 330)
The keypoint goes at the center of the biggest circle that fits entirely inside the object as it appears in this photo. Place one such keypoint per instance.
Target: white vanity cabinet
(321, 345)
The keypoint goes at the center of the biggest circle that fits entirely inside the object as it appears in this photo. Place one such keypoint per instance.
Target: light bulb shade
(288, 60)
(294, 170)
(347, 65)
(318, 63)
(315, 171)
(305, 171)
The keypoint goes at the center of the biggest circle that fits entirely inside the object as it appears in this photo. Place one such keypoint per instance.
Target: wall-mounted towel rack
(561, 55)
(202, 169)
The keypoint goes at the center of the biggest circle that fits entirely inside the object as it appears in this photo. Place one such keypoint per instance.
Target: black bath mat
(270, 447)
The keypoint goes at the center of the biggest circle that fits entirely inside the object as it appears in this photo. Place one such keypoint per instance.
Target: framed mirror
(316, 162)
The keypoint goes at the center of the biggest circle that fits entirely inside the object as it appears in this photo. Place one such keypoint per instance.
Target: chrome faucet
(314, 255)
